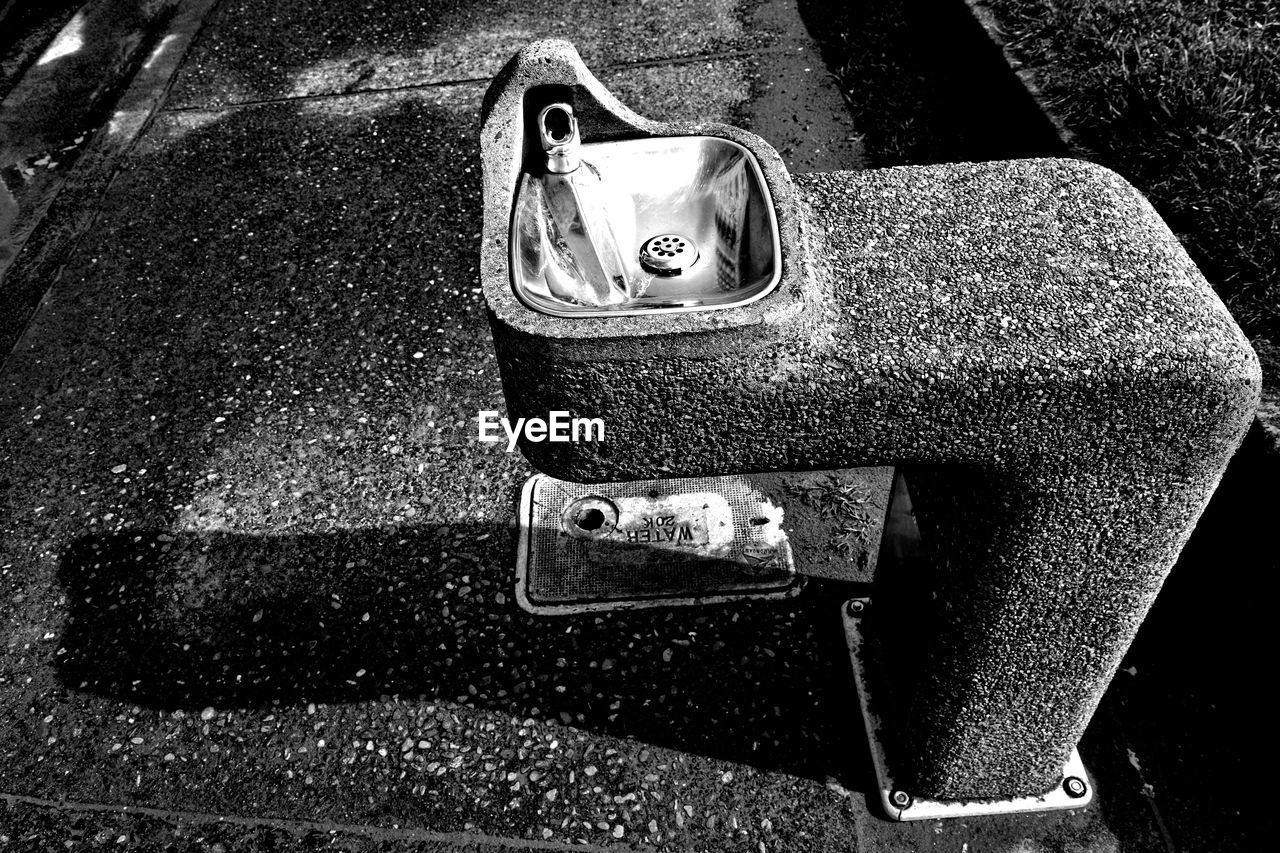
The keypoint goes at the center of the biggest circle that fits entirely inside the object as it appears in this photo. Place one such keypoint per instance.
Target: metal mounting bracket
(1074, 791)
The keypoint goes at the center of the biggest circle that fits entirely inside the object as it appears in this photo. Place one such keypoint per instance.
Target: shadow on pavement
(231, 620)
(926, 85)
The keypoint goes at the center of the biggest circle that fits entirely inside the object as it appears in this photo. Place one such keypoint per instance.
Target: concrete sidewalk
(259, 569)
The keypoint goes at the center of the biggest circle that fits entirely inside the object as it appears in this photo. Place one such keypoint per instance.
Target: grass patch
(843, 507)
(925, 85)
(1183, 99)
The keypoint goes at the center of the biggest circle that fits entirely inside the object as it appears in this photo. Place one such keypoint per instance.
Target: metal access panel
(647, 543)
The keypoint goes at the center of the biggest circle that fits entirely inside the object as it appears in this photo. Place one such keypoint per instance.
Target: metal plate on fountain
(649, 543)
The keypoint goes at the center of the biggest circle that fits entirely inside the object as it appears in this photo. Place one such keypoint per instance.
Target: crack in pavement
(661, 62)
(393, 833)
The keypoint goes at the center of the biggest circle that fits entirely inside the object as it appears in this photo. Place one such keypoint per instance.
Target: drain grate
(668, 254)
(648, 543)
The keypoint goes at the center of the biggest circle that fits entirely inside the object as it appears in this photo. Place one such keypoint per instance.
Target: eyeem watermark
(558, 427)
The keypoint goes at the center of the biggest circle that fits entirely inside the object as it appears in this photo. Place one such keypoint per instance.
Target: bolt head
(856, 607)
(900, 799)
(1075, 786)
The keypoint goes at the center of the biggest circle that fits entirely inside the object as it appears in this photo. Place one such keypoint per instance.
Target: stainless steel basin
(695, 208)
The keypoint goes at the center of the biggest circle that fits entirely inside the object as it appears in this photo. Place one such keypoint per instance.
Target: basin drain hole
(668, 254)
(590, 519)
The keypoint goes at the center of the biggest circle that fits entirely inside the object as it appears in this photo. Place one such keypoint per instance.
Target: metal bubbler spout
(558, 132)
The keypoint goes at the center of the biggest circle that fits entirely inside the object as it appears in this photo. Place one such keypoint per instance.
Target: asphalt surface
(259, 571)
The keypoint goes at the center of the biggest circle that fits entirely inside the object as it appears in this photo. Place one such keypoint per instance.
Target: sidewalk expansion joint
(685, 59)
(384, 833)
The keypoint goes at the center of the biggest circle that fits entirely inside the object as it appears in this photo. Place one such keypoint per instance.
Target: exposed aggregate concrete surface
(1032, 327)
(256, 576)
(254, 50)
(255, 569)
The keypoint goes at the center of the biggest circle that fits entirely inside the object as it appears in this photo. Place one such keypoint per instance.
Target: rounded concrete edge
(1268, 408)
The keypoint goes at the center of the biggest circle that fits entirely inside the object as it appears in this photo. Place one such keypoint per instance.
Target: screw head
(900, 799)
(856, 607)
(1075, 786)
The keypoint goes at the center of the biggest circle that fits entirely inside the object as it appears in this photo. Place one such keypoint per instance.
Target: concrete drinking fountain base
(1027, 337)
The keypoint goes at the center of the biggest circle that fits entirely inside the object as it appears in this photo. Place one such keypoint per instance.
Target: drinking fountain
(1025, 339)
(710, 238)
